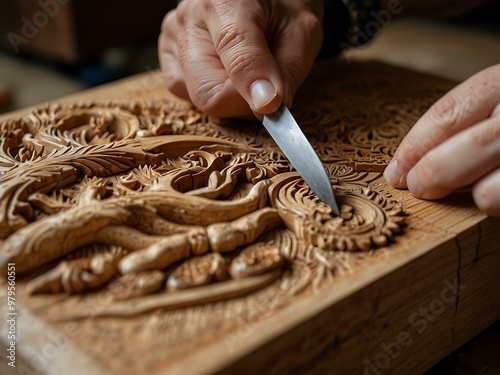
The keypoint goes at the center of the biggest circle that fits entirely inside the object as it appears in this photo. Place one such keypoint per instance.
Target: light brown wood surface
(399, 308)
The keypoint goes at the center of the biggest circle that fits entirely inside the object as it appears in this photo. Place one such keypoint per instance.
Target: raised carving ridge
(187, 200)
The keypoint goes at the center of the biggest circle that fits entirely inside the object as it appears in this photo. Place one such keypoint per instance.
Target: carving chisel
(291, 140)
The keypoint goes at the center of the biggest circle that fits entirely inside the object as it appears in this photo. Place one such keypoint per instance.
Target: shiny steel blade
(287, 134)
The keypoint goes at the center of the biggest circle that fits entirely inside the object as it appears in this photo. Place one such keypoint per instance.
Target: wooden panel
(397, 308)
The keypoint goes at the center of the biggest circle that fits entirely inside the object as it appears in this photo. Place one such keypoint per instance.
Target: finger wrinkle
(445, 111)
(228, 38)
(208, 96)
(217, 7)
(243, 62)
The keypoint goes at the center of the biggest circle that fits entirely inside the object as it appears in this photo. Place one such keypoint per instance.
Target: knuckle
(228, 38)
(210, 6)
(169, 24)
(464, 101)
(446, 111)
(167, 20)
(241, 54)
(182, 12)
(310, 24)
(241, 57)
(246, 62)
(486, 135)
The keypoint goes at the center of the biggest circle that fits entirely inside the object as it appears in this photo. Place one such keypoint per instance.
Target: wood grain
(422, 286)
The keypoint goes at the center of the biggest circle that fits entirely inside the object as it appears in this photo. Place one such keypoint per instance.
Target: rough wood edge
(301, 312)
(48, 351)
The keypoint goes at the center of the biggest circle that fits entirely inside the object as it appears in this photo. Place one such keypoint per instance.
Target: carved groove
(191, 202)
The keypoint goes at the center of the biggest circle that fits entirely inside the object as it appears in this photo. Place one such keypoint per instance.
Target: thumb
(239, 40)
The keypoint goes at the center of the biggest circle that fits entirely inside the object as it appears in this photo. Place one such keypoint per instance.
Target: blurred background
(52, 48)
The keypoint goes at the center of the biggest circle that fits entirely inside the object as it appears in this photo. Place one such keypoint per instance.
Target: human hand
(232, 58)
(455, 144)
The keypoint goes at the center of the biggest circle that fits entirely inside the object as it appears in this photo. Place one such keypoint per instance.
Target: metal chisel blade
(291, 140)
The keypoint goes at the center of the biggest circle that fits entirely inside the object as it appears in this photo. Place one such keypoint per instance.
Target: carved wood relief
(154, 207)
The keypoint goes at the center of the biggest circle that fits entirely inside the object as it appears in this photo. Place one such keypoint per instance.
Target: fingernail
(392, 173)
(262, 92)
(412, 182)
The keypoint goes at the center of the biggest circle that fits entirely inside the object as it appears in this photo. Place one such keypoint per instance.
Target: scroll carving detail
(189, 208)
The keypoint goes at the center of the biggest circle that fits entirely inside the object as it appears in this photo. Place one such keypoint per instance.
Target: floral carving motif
(368, 218)
(183, 202)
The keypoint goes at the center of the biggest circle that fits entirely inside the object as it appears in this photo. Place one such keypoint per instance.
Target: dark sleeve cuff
(336, 26)
(349, 23)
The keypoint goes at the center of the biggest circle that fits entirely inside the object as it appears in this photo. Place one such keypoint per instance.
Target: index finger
(239, 40)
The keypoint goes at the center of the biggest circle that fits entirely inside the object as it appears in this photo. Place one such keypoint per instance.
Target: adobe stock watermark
(31, 27)
(148, 83)
(56, 342)
(248, 325)
(381, 19)
(420, 320)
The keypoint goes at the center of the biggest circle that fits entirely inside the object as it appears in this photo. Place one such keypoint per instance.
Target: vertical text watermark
(11, 314)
